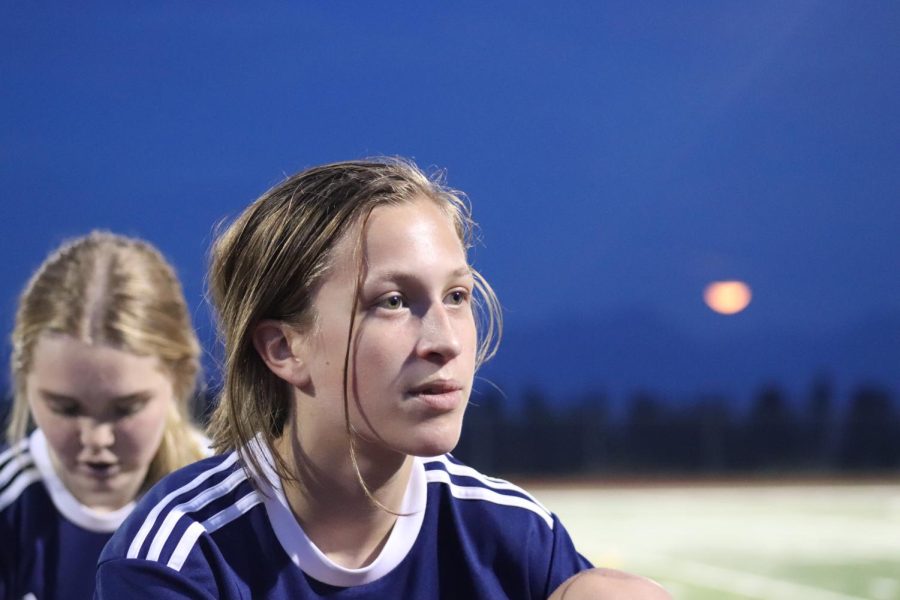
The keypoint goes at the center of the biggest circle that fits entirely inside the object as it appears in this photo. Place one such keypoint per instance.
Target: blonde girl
(104, 367)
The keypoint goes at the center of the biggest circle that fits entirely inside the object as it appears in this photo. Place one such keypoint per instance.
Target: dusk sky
(618, 155)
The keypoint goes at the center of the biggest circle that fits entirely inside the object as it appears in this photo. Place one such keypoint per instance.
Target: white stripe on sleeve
(138, 541)
(480, 493)
(220, 519)
(196, 503)
(22, 481)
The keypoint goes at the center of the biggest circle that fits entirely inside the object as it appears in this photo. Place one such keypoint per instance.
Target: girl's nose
(439, 338)
(96, 434)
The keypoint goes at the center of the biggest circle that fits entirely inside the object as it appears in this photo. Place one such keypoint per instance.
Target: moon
(727, 297)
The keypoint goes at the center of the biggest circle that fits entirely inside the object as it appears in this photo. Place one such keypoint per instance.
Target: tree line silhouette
(818, 434)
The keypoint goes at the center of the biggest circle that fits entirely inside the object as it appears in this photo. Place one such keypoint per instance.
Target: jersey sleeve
(565, 560)
(136, 578)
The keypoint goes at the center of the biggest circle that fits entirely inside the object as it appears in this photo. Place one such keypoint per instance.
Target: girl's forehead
(422, 216)
(399, 240)
(404, 232)
(65, 361)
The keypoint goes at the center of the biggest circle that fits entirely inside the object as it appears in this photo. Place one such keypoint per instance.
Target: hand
(609, 584)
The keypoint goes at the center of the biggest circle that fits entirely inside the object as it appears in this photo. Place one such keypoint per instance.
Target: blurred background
(622, 159)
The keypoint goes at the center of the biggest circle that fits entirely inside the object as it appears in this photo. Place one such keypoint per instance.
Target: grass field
(806, 542)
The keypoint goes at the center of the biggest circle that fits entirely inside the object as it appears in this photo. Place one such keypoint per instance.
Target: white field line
(645, 530)
(741, 582)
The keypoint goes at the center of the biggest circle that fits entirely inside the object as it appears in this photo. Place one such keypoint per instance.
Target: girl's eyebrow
(54, 397)
(397, 275)
(133, 397)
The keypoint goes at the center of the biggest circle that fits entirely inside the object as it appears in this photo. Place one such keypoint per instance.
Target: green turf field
(806, 542)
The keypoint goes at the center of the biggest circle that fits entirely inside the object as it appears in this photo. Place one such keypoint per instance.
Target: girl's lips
(436, 386)
(99, 470)
(442, 402)
(442, 395)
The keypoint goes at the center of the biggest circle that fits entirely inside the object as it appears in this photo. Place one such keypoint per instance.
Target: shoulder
(18, 472)
(502, 524)
(183, 506)
(474, 490)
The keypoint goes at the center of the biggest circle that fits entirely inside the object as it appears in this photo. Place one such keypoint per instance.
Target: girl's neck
(329, 501)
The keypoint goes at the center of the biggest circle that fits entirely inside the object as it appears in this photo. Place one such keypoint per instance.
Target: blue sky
(618, 155)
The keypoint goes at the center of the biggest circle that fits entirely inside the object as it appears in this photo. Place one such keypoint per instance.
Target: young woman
(351, 323)
(104, 365)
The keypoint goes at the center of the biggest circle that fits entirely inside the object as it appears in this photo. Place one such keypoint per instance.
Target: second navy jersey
(207, 532)
(49, 542)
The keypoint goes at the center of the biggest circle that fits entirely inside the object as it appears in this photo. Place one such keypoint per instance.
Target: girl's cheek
(140, 430)
(62, 436)
(137, 446)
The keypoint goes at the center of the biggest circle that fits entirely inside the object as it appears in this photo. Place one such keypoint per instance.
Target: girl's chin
(435, 446)
(425, 440)
(104, 500)
(104, 494)
(423, 450)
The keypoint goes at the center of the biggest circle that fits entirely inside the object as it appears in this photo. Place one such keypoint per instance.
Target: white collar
(312, 561)
(69, 506)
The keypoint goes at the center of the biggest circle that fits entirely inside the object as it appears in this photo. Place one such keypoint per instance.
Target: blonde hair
(118, 291)
(268, 262)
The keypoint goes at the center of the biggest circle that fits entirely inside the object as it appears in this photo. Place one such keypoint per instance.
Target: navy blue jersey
(205, 531)
(50, 541)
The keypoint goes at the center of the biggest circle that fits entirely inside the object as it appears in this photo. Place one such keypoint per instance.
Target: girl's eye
(66, 410)
(392, 302)
(457, 297)
(126, 410)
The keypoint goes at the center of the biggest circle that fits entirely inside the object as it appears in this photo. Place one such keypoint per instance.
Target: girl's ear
(274, 341)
